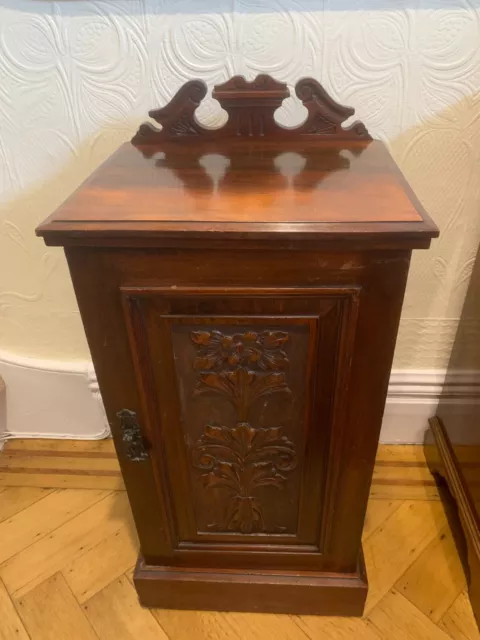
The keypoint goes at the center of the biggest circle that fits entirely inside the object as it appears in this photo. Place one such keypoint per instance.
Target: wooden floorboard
(68, 546)
(401, 472)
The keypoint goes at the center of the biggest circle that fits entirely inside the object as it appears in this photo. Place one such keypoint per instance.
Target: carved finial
(251, 106)
(264, 87)
(177, 117)
(325, 116)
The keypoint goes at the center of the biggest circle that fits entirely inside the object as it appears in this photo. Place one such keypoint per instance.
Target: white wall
(50, 399)
(58, 399)
(77, 77)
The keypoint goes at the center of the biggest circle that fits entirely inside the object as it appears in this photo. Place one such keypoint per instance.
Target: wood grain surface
(96, 597)
(252, 179)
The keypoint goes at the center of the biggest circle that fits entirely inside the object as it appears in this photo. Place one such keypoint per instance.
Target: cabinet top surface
(268, 186)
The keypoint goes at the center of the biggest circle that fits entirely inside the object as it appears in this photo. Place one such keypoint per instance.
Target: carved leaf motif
(274, 339)
(321, 125)
(268, 383)
(242, 460)
(220, 434)
(224, 475)
(208, 361)
(243, 436)
(242, 386)
(244, 367)
(265, 474)
(244, 514)
(201, 337)
(183, 127)
(244, 440)
(217, 381)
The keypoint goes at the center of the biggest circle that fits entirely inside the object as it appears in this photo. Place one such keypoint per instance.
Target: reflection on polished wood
(250, 182)
(318, 181)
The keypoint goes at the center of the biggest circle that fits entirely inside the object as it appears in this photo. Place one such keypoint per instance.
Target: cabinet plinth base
(333, 594)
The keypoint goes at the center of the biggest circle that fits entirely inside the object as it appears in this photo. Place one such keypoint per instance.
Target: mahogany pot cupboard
(241, 290)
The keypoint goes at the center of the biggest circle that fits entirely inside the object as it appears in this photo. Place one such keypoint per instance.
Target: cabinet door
(244, 391)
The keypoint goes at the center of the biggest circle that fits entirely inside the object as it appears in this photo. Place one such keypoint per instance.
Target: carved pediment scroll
(251, 106)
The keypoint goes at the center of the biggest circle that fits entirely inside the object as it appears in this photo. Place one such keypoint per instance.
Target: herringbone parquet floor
(68, 546)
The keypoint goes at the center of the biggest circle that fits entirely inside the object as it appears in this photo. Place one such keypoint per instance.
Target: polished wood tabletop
(246, 183)
(251, 178)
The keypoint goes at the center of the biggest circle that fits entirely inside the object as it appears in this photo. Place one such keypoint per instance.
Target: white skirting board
(50, 399)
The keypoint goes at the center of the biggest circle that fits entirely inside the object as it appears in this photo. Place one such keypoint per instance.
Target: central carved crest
(251, 106)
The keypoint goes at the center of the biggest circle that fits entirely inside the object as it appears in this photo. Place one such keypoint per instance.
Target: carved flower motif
(240, 460)
(263, 350)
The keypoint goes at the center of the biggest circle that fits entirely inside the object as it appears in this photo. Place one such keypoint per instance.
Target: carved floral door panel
(244, 394)
(240, 411)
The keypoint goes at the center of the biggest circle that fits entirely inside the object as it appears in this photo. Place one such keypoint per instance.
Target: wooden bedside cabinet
(241, 290)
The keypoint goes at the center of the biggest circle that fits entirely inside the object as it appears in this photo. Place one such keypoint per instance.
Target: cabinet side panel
(383, 287)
